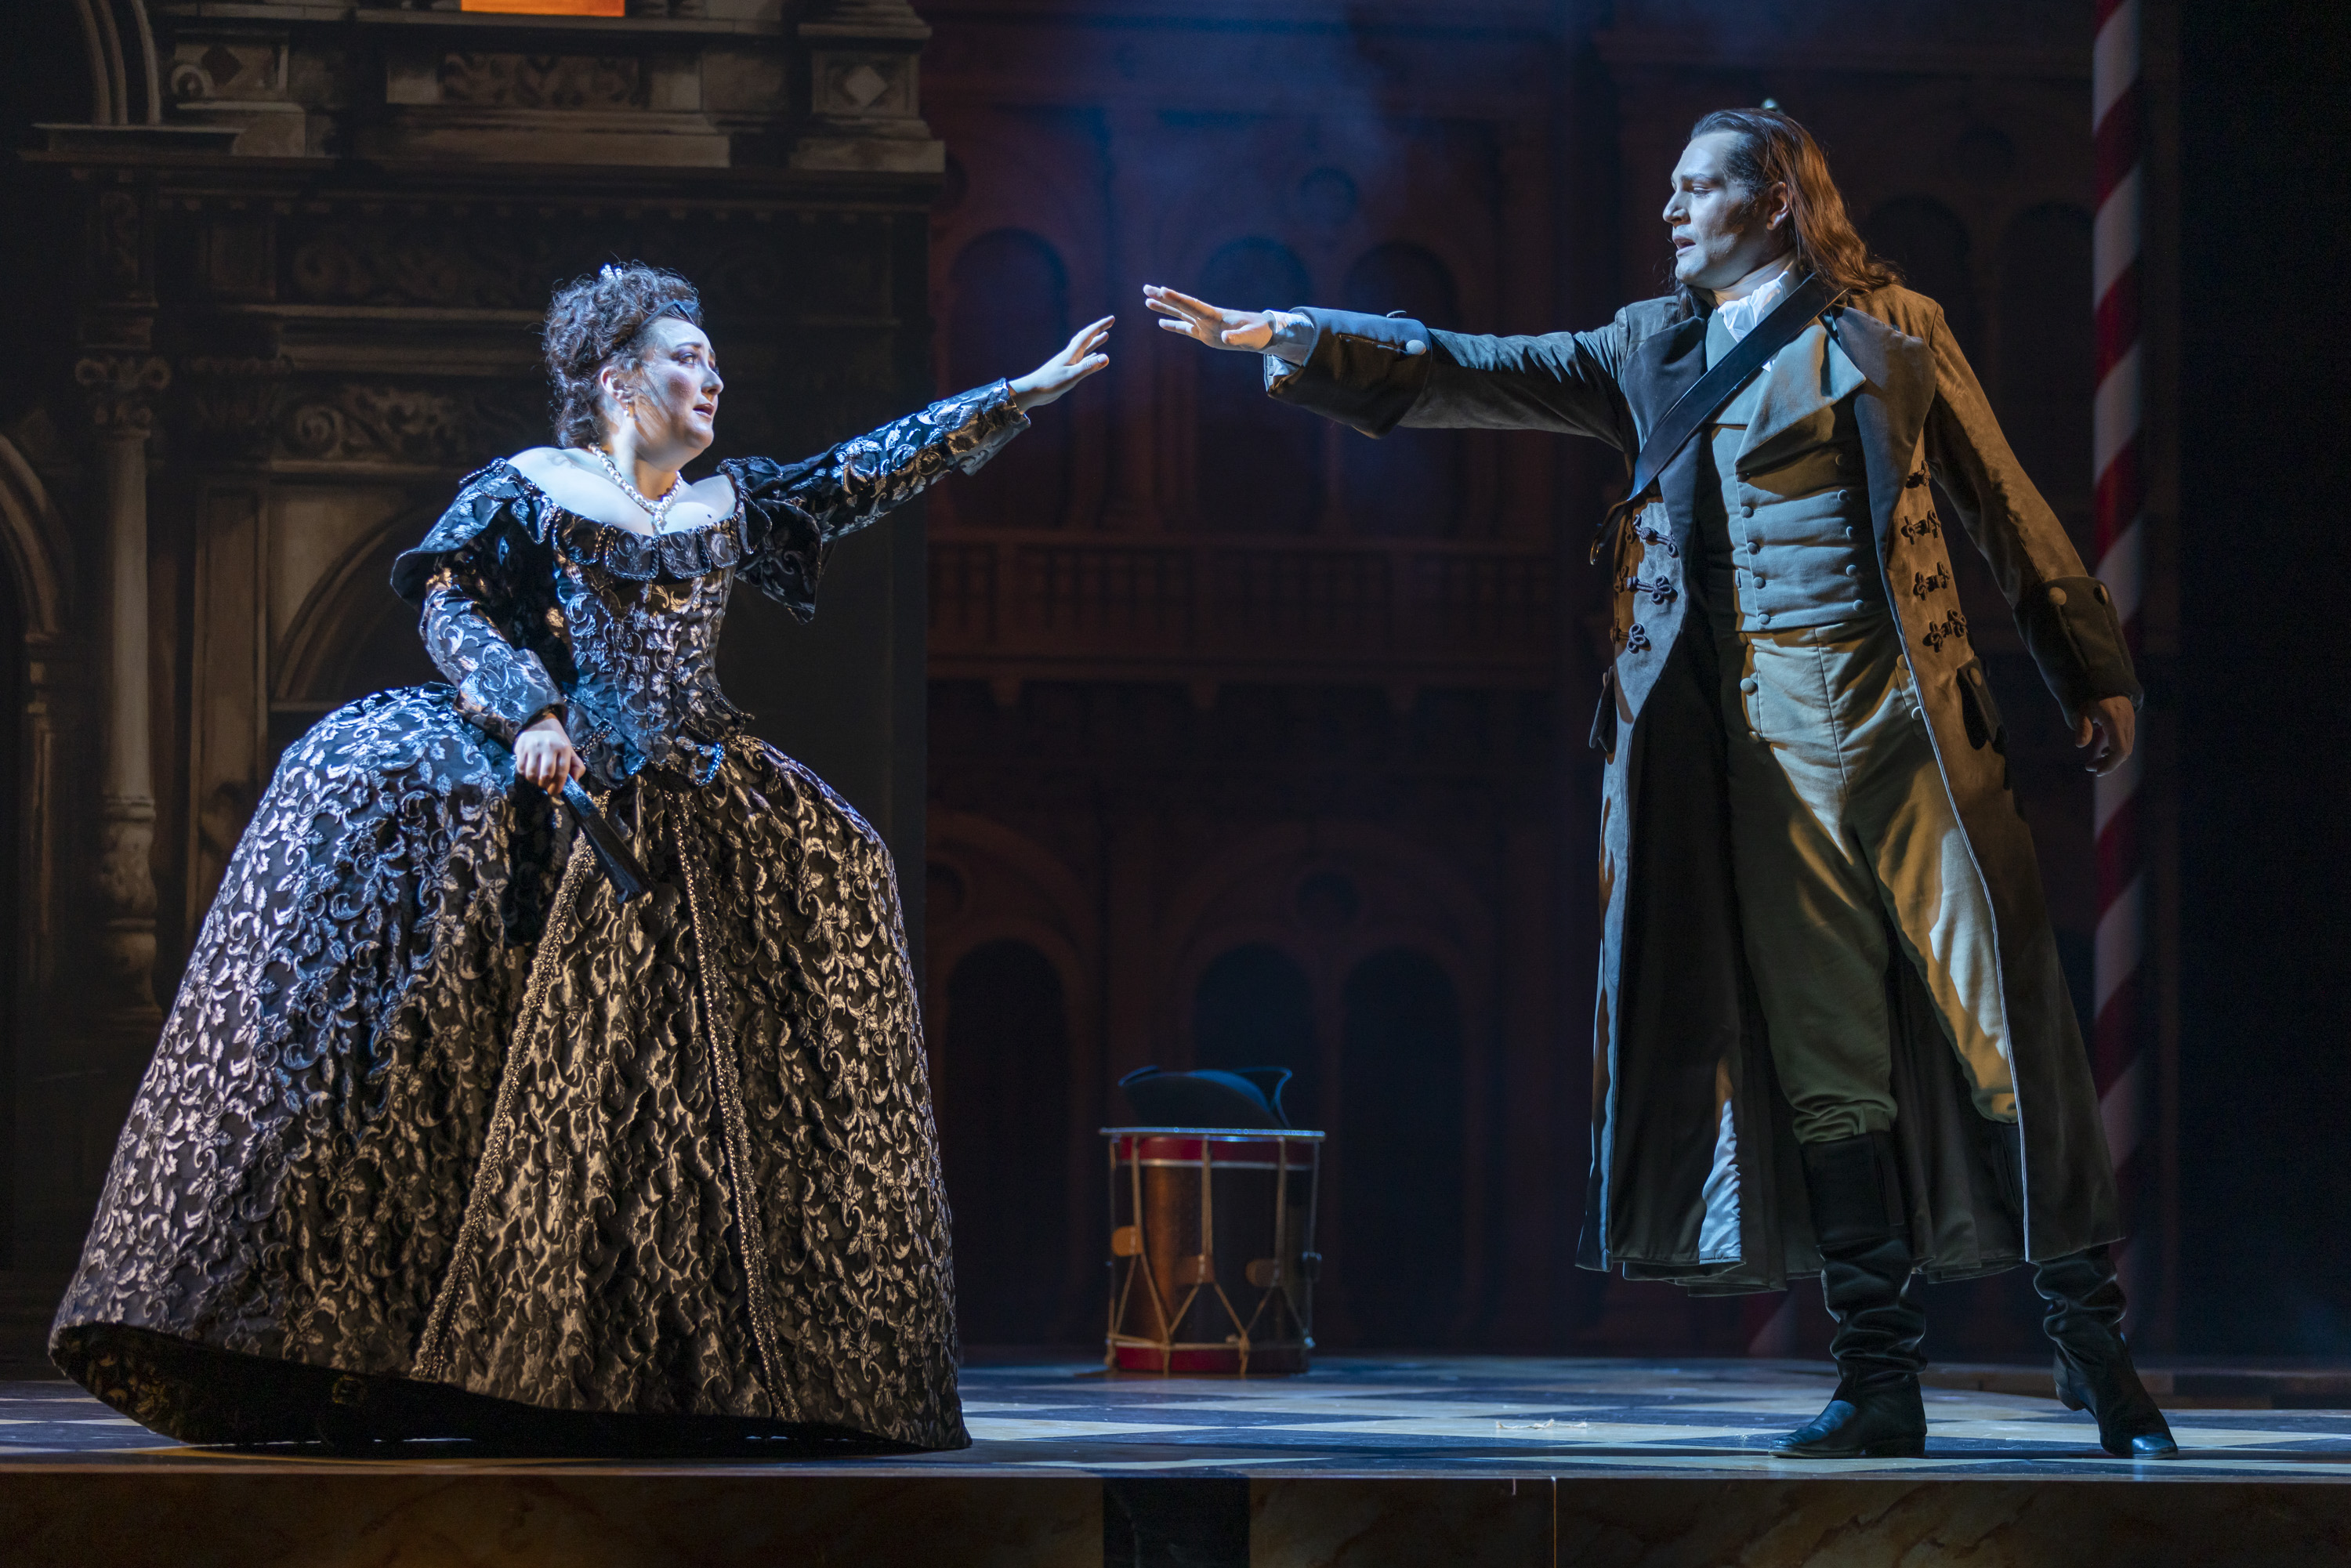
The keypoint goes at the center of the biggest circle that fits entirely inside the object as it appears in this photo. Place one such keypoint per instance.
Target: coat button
(1415, 346)
(1747, 510)
(1747, 683)
(1754, 547)
(2056, 595)
(1759, 580)
(1853, 571)
(1763, 617)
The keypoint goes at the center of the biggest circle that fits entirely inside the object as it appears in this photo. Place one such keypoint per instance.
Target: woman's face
(671, 400)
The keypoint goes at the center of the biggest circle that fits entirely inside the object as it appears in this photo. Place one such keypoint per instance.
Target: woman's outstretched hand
(1246, 330)
(543, 754)
(1076, 361)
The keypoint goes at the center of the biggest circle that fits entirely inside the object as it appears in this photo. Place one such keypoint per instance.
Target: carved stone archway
(351, 627)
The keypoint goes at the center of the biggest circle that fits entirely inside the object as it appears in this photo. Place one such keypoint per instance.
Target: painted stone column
(121, 388)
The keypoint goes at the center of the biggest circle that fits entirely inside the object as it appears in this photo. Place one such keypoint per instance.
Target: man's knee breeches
(1844, 840)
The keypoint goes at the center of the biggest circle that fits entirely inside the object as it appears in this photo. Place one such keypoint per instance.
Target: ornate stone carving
(119, 246)
(206, 68)
(233, 403)
(121, 390)
(863, 108)
(864, 84)
(542, 81)
(126, 890)
(361, 423)
(124, 879)
(400, 265)
(470, 265)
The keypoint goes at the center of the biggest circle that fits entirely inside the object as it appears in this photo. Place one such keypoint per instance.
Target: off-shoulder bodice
(529, 607)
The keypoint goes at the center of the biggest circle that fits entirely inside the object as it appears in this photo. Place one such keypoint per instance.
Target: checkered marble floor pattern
(1491, 1417)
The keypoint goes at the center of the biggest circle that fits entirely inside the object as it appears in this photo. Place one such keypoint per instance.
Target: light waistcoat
(1783, 522)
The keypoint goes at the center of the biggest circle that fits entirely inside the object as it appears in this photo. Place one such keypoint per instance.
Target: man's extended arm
(1375, 372)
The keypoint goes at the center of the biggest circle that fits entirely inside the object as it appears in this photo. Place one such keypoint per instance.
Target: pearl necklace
(657, 510)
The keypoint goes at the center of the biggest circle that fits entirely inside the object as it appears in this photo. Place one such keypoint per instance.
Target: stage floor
(1432, 1416)
(1364, 1463)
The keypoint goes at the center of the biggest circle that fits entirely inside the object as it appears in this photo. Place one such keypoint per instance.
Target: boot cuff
(1856, 1186)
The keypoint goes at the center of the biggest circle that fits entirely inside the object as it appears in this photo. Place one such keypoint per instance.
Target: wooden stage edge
(1365, 1463)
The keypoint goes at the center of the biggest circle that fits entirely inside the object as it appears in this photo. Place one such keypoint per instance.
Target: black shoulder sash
(1705, 399)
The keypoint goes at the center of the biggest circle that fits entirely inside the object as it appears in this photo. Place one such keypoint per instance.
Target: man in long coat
(1833, 1033)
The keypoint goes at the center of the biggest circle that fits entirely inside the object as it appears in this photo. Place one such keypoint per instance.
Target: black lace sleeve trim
(483, 497)
(781, 544)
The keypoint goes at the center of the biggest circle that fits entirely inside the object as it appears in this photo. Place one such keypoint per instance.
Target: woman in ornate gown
(444, 1136)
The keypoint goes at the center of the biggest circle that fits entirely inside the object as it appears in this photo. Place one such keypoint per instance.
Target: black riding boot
(2093, 1363)
(1864, 1239)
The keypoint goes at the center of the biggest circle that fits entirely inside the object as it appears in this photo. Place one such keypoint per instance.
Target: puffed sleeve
(462, 576)
(793, 512)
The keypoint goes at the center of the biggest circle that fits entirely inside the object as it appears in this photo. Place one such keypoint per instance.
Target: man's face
(1721, 231)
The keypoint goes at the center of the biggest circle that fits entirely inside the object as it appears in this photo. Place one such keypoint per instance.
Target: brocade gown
(441, 1138)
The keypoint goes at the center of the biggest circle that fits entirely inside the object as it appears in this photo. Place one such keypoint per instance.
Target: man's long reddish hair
(1769, 149)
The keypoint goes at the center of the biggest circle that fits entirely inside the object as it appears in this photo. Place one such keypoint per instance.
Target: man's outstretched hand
(1249, 331)
(1078, 359)
(2114, 724)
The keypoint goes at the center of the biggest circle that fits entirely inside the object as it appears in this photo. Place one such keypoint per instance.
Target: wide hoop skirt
(441, 1139)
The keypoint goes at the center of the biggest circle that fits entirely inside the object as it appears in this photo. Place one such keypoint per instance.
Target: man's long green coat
(1695, 1172)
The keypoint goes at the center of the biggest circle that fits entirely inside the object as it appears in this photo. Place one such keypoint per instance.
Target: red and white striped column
(2124, 1067)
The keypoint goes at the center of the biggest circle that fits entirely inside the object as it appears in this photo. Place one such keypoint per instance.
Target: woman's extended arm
(861, 479)
(793, 512)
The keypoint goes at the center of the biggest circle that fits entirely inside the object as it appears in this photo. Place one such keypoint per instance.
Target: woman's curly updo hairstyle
(601, 320)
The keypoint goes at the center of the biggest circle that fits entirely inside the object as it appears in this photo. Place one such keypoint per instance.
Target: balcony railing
(1037, 605)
